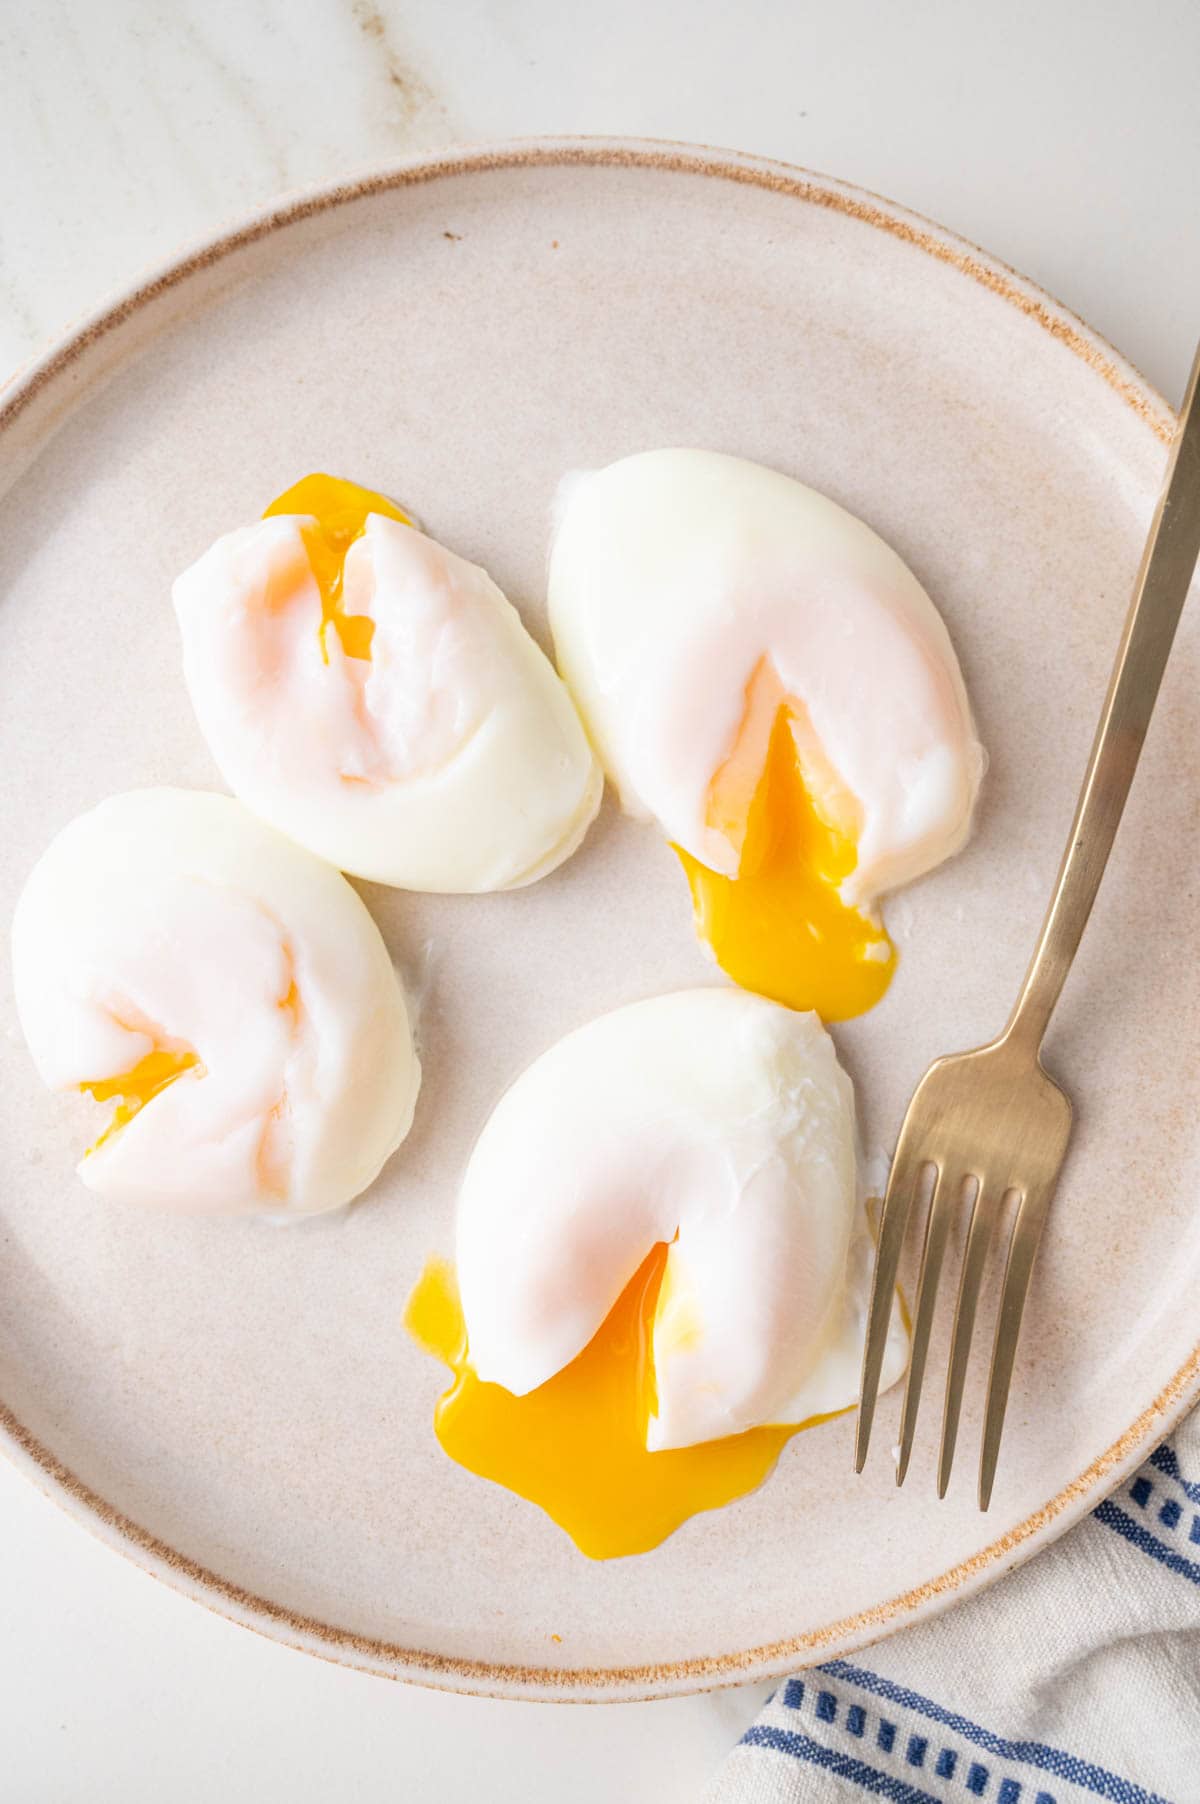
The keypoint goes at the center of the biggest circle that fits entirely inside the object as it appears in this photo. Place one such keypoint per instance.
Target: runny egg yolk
(340, 509)
(577, 1445)
(133, 1089)
(780, 926)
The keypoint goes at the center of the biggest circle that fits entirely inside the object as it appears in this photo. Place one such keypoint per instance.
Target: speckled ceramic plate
(236, 1407)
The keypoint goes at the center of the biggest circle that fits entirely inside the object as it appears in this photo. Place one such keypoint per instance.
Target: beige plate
(237, 1407)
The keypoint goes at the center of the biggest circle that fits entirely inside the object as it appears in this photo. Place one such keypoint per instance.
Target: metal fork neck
(1159, 593)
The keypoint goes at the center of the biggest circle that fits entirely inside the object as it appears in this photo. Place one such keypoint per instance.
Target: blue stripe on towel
(1116, 1518)
(1165, 1459)
(1033, 1753)
(846, 1766)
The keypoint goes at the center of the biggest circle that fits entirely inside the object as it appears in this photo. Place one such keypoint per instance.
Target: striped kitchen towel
(1075, 1678)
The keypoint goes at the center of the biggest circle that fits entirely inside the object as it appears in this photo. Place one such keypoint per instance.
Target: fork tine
(941, 1208)
(1022, 1250)
(897, 1206)
(983, 1221)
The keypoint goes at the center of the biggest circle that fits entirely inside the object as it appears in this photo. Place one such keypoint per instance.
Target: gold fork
(994, 1121)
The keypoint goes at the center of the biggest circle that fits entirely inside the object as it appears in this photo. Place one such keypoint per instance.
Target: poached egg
(229, 993)
(763, 676)
(662, 1267)
(376, 698)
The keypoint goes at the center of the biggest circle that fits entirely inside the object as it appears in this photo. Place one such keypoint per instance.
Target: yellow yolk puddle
(340, 509)
(133, 1089)
(780, 927)
(577, 1445)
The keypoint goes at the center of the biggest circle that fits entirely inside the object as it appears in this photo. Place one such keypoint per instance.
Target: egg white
(174, 918)
(711, 1120)
(675, 574)
(453, 759)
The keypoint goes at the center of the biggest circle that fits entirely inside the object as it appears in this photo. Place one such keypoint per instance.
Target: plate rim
(38, 378)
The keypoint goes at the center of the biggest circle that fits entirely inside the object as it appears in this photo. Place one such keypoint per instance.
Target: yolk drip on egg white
(577, 1444)
(133, 1089)
(780, 926)
(340, 509)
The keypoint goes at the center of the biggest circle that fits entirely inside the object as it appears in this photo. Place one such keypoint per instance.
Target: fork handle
(1158, 597)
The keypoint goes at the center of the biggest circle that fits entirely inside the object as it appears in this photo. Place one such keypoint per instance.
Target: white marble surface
(1062, 135)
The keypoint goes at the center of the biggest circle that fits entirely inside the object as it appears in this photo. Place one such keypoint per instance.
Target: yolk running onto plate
(577, 1444)
(133, 1089)
(780, 926)
(340, 509)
